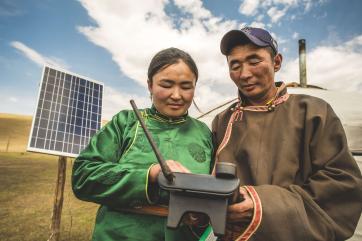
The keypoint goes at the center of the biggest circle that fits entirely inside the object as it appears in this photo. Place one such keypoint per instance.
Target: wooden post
(7, 145)
(58, 200)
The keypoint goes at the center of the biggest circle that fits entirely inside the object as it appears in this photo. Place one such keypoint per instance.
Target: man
(300, 181)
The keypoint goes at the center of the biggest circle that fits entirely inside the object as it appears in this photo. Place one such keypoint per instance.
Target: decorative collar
(164, 118)
(281, 90)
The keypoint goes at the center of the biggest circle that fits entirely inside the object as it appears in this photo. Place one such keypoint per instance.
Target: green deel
(113, 172)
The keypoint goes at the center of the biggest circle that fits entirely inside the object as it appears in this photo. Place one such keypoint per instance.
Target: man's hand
(173, 165)
(242, 211)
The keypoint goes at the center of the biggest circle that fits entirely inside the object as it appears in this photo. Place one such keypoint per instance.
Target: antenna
(165, 169)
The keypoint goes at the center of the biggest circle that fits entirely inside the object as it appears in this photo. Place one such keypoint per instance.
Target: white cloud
(36, 57)
(260, 17)
(276, 9)
(355, 42)
(13, 99)
(331, 67)
(257, 25)
(308, 6)
(133, 32)
(275, 14)
(114, 101)
(295, 35)
(286, 2)
(249, 7)
(194, 7)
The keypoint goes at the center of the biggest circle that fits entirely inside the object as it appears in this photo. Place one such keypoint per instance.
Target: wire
(218, 107)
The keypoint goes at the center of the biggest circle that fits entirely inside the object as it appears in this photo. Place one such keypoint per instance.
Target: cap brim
(236, 37)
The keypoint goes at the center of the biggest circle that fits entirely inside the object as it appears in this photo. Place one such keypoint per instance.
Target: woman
(118, 168)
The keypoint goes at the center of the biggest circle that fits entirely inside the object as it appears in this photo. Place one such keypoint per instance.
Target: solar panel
(68, 113)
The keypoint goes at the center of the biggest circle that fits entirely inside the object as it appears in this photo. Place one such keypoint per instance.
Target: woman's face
(172, 89)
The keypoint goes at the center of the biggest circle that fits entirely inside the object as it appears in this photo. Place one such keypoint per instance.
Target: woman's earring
(151, 96)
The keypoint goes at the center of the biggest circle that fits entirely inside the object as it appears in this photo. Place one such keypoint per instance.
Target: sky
(113, 41)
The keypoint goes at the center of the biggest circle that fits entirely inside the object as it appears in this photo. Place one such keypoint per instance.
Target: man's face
(252, 70)
(172, 89)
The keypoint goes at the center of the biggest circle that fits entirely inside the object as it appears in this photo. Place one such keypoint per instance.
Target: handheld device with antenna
(199, 193)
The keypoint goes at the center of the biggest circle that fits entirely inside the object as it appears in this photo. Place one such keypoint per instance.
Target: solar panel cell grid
(68, 113)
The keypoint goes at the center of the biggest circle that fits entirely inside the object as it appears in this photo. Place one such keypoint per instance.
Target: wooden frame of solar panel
(68, 113)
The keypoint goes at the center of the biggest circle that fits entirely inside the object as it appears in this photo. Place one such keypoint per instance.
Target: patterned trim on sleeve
(149, 199)
(258, 213)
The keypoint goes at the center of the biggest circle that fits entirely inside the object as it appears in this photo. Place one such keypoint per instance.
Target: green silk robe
(113, 172)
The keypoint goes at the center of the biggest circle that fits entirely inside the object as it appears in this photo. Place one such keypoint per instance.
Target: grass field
(27, 185)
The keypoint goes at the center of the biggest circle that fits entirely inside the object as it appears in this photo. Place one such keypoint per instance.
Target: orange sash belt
(156, 210)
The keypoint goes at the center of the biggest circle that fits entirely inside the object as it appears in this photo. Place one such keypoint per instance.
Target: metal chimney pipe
(302, 64)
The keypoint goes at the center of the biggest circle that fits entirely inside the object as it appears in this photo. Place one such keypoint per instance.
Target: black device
(199, 193)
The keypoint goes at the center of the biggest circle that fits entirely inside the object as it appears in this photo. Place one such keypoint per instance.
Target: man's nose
(244, 72)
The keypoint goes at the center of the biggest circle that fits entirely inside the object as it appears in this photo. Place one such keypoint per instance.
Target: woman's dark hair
(170, 56)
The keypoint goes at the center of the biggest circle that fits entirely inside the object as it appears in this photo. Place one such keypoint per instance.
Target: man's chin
(250, 94)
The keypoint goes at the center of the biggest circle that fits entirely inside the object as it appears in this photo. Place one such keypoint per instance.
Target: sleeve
(327, 206)
(214, 124)
(99, 177)
(214, 138)
(210, 144)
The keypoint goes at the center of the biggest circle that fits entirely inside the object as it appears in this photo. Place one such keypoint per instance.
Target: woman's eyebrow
(187, 82)
(167, 81)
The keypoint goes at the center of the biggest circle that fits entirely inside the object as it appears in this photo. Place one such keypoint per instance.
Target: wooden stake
(58, 200)
(7, 146)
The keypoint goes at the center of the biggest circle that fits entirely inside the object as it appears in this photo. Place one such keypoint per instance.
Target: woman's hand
(173, 165)
(242, 211)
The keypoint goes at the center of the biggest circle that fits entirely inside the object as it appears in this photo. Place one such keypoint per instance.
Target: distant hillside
(15, 131)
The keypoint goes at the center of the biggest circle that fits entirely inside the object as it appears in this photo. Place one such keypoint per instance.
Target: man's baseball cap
(257, 36)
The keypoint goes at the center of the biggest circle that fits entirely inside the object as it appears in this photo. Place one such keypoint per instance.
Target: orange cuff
(257, 216)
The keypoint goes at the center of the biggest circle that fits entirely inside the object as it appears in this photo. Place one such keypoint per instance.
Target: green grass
(27, 186)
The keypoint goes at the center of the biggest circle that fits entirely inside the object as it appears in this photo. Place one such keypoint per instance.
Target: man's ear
(278, 59)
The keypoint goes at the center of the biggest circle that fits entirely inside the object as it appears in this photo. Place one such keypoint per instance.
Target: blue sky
(113, 41)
